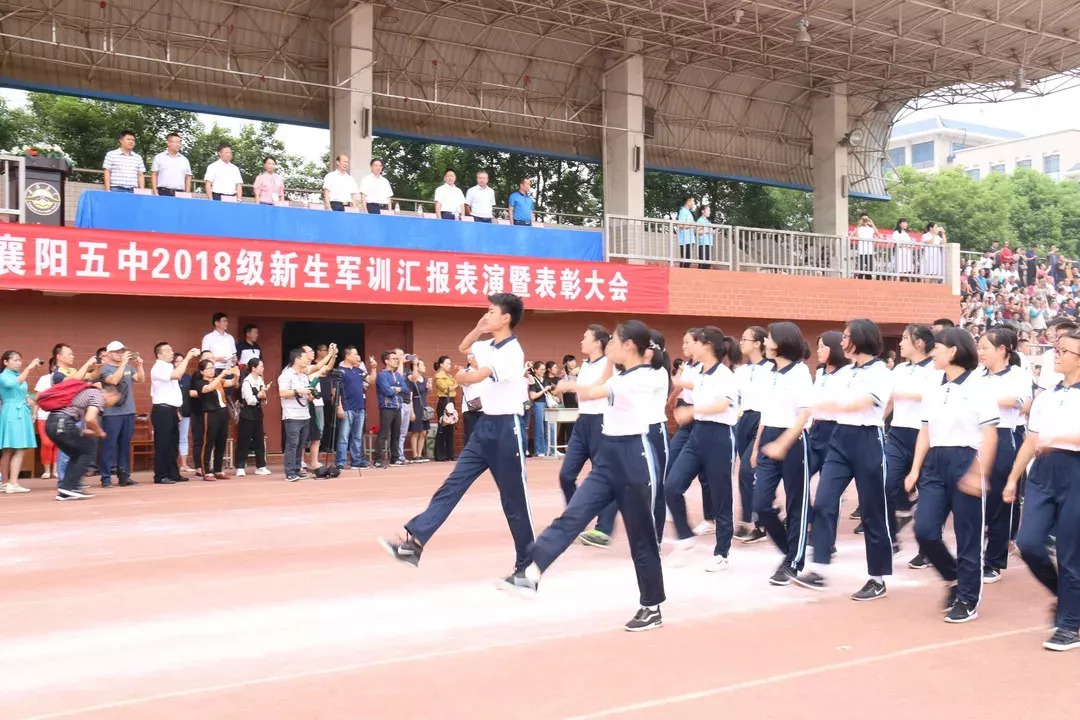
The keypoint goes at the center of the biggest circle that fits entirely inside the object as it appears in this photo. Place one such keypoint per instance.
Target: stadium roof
(730, 85)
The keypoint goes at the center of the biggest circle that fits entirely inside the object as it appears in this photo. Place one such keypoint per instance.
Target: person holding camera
(390, 389)
(352, 379)
(119, 419)
(249, 428)
(294, 389)
(166, 397)
(211, 392)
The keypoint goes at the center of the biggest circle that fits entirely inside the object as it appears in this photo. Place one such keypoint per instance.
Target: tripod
(329, 467)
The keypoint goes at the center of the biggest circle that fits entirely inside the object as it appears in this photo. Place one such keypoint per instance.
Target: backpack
(61, 395)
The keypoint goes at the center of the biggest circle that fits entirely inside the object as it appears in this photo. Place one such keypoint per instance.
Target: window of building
(1052, 166)
(1023, 164)
(922, 154)
(955, 147)
(998, 168)
(974, 174)
(898, 156)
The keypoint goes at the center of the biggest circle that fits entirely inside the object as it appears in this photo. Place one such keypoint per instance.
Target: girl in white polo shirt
(953, 457)
(660, 382)
(685, 382)
(752, 378)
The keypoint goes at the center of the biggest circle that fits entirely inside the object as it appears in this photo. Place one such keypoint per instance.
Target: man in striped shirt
(124, 168)
(79, 443)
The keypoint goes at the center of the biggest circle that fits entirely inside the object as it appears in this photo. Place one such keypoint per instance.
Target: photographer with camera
(321, 399)
(351, 379)
(121, 369)
(249, 427)
(390, 388)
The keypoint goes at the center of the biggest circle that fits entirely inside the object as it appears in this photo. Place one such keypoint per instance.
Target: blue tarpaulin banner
(150, 213)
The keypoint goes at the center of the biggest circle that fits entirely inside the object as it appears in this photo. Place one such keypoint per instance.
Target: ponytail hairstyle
(1001, 336)
(713, 337)
(732, 353)
(601, 335)
(660, 357)
(636, 332)
(921, 332)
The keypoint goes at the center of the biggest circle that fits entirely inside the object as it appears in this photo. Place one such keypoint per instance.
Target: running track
(257, 599)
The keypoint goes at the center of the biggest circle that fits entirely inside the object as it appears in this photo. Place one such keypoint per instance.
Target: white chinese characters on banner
(137, 262)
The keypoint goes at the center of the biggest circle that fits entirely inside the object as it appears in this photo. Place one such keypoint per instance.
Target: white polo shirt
(711, 386)
(912, 379)
(124, 168)
(481, 201)
(219, 345)
(956, 412)
(508, 391)
(375, 189)
(172, 170)
(629, 400)
(659, 381)
(590, 374)
(872, 380)
(754, 381)
(449, 198)
(689, 373)
(1056, 412)
(163, 389)
(223, 177)
(342, 186)
(825, 385)
(1048, 376)
(789, 391)
(1012, 382)
(471, 392)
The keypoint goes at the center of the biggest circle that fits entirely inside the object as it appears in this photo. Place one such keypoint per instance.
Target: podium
(44, 191)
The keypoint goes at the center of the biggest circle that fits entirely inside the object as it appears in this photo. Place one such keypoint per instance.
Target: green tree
(17, 126)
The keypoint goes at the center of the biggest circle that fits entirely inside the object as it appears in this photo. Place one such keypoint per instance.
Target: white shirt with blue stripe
(1057, 412)
(659, 382)
(955, 412)
(790, 392)
(1012, 382)
(630, 400)
(589, 374)
(754, 381)
(713, 385)
(873, 380)
(912, 379)
(508, 391)
(824, 392)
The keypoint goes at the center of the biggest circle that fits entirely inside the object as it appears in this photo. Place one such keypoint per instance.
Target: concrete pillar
(829, 124)
(351, 69)
(624, 149)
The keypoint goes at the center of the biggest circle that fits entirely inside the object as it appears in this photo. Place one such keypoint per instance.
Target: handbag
(429, 413)
(449, 416)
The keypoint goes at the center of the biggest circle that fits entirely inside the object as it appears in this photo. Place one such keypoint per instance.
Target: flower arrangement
(40, 150)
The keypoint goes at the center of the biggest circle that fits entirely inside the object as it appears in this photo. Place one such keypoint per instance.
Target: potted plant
(44, 156)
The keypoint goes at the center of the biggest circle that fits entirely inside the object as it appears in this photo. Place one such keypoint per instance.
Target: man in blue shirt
(351, 409)
(389, 387)
(521, 204)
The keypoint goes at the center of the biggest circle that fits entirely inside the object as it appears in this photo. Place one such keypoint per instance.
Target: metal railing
(12, 189)
(787, 252)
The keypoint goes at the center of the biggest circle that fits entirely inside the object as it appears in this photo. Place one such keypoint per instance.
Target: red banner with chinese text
(75, 260)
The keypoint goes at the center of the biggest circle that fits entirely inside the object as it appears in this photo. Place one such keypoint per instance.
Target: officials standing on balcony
(223, 177)
(480, 200)
(269, 187)
(124, 168)
(449, 201)
(521, 204)
(339, 187)
(170, 172)
(375, 190)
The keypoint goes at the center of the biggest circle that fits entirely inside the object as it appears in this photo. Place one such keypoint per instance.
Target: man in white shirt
(294, 389)
(220, 344)
(223, 179)
(480, 200)
(449, 201)
(375, 190)
(170, 172)
(339, 187)
(124, 168)
(165, 413)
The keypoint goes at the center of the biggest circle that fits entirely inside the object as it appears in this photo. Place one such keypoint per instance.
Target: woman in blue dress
(16, 420)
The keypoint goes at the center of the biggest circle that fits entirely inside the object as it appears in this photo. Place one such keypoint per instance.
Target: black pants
(389, 431)
(166, 422)
(198, 438)
(470, 418)
(444, 437)
(217, 432)
(481, 220)
(80, 449)
(250, 436)
(167, 192)
(375, 208)
(218, 196)
(339, 206)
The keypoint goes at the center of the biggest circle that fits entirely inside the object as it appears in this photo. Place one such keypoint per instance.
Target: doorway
(295, 333)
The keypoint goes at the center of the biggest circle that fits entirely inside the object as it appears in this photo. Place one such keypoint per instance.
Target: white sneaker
(262, 471)
(719, 563)
(240, 472)
(681, 550)
(46, 475)
(705, 527)
(13, 488)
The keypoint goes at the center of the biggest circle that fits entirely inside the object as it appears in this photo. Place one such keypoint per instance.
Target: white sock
(652, 608)
(819, 568)
(533, 573)
(877, 578)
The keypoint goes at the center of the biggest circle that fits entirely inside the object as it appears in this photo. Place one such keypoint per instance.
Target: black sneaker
(363, 465)
(962, 612)
(519, 581)
(380, 466)
(165, 481)
(406, 551)
(742, 533)
(645, 619)
(783, 575)
(991, 575)
(811, 580)
(128, 482)
(872, 590)
(950, 599)
(833, 552)
(919, 562)
(859, 529)
(1063, 640)
(64, 494)
(754, 536)
(896, 548)
(855, 515)
(398, 463)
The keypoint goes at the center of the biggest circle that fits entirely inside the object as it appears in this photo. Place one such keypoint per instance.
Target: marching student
(830, 356)
(1010, 388)
(1053, 493)
(710, 450)
(752, 379)
(624, 471)
(856, 450)
(953, 456)
(684, 381)
(911, 380)
(781, 447)
(496, 443)
(662, 387)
